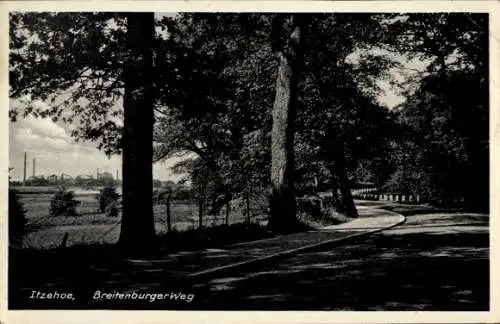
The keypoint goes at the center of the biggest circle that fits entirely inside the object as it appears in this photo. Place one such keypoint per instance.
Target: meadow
(92, 227)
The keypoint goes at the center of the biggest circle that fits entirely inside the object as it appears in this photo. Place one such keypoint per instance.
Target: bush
(319, 210)
(17, 217)
(111, 208)
(182, 194)
(63, 203)
(310, 205)
(108, 201)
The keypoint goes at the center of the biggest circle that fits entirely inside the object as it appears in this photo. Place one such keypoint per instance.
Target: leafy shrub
(319, 210)
(111, 208)
(17, 217)
(108, 201)
(63, 203)
(310, 205)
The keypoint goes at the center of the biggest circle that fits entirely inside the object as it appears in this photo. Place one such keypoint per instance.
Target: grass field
(91, 226)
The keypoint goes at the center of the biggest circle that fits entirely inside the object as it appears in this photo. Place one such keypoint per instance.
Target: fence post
(169, 220)
(200, 212)
(64, 240)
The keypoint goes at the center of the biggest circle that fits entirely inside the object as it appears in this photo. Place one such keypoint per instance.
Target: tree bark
(201, 202)
(249, 216)
(282, 216)
(228, 210)
(344, 199)
(137, 229)
(169, 214)
(336, 198)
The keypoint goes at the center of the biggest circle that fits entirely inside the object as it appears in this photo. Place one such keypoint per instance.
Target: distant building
(66, 179)
(105, 176)
(52, 178)
(85, 177)
(41, 177)
(65, 176)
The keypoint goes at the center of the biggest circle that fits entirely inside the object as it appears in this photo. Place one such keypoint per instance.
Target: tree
(448, 155)
(83, 64)
(339, 121)
(446, 110)
(137, 231)
(222, 63)
(231, 133)
(288, 44)
(203, 184)
(73, 62)
(108, 200)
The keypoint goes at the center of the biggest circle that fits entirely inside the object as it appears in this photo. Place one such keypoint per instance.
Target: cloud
(51, 145)
(40, 135)
(44, 127)
(56, 151)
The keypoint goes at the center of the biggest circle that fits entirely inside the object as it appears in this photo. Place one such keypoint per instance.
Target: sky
(57, 152)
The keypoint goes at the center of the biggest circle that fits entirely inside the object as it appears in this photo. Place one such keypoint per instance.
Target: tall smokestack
(97, 173)
(24, 173)
(34, 166)
(116, 174)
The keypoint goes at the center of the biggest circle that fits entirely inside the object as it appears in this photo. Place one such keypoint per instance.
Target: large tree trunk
(228, 210)
(249, 215)
(336, 198)
(344, 202)
(137, 230)
(202, 192)
(289, 54)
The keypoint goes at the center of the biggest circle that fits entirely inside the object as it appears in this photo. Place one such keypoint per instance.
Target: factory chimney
(34, 166)
(24, 173)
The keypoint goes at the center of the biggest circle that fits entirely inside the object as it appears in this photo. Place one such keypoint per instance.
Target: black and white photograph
(249, 161)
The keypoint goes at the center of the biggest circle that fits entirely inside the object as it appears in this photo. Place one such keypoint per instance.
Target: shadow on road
(441, 272)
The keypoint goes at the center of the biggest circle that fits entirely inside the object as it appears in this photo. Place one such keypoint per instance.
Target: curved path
(210, 263)
(435, 261)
